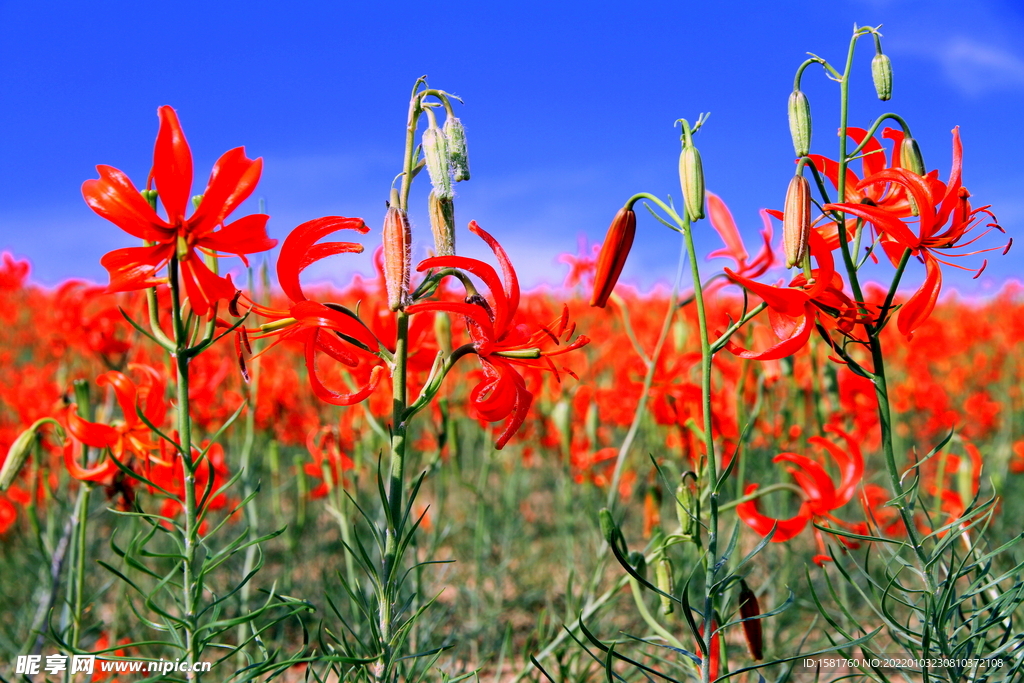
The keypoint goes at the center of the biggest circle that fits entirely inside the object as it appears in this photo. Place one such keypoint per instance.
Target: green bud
(881, 74)
(458, 157)
(21, 448)
(687, 506)
(691, 176)
(435, 153)
(443, 331)
(664, 578)
(800, 122)
(910, 156)
(442, 224)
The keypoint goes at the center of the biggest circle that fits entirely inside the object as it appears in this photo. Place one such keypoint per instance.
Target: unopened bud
(881, 74)
(687, 506)
(458, 156)
(796, 224)
(800, 122)
(435, 152)
(443, 331)
(20, 450)
(612, 258)
(691, 176)
(749, 608)
(910, 156)
(397, 253)
(664, 578)
(442, 224)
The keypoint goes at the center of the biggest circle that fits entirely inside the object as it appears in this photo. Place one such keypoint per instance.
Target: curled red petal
(90, 433)
(813, 479)
(786, 347)
(919, 306)
(247, 235)
(300, 249)
(785, 529)
(507, 271)
(203, 287)
(125, 391)
(723, 222)
(328, 396)
(100, 472)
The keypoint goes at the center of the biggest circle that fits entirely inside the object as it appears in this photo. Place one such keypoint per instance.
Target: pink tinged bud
(397, 253)
(613, 255)
(796, 224)
(800, 122)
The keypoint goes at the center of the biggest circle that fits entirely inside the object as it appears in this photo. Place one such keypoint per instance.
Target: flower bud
(691, 176)
(442, 224)
(796, 223)
(458, 156)
(435, 153)
(800, 122)
(397, 253)
(664, 579)
(610, 530)
(910, 156)
(612, 258)
(443, 331)
(687, 506)
(881, 74)
(20, 450)
(752, 627)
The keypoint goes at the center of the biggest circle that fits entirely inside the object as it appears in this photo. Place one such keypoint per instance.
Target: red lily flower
(892, 198)
(321, 328)
(822, 495)
(129, 436)
(233, 179)
(723, 222)
(937, 203)
(498, 340)
(792, 310)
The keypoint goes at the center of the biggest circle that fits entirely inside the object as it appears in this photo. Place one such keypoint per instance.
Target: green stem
(711, 468)
(190, 590)
(81, 543)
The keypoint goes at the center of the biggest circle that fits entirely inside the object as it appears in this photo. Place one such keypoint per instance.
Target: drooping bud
(443, 331)
(612, 258)
(751, 627)
(796, 224)
(881, 74)
(664, 578)
(691, 176)
(800, 122)
(458, 156)
(688, 505)
(442, 224)
(910, 156)
(397, 256)
(435, 153)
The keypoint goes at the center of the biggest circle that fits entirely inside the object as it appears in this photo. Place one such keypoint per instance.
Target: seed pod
(910, 156)
(881, 74)
(691, 176)
(436, 155)
(612, 258)
(800, 122)
(663, 575)
(751, 628)
(442, 224)
(796, 224)
(397, 261)
(458, 156)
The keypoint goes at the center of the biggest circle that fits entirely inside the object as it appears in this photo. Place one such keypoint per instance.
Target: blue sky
(569, 109)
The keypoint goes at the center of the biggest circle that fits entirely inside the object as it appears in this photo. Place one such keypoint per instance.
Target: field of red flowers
(434, 475)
